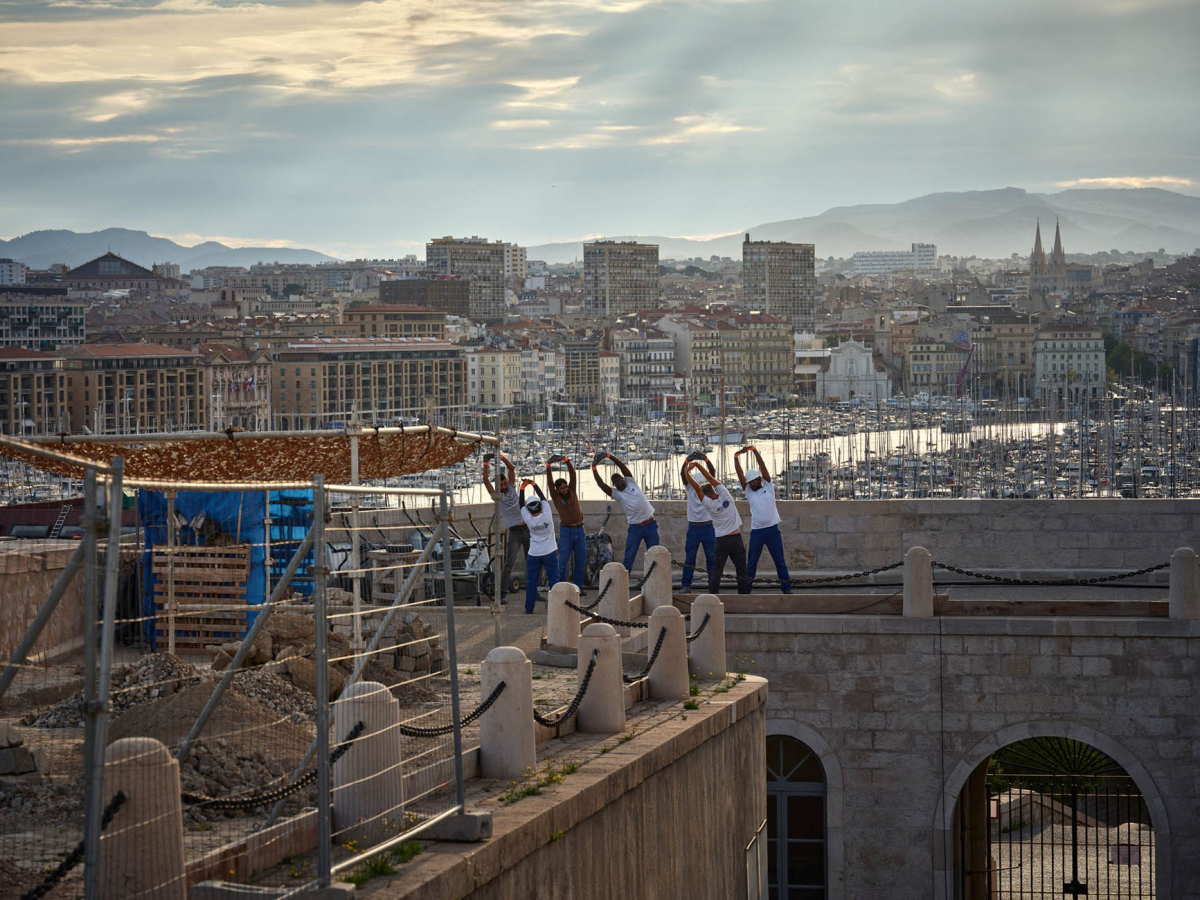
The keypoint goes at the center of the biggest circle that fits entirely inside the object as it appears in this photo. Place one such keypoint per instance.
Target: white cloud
(1132, 181)
(696, 127)
(516, 124)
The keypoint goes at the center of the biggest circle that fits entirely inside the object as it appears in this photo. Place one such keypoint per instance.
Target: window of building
(797, 868)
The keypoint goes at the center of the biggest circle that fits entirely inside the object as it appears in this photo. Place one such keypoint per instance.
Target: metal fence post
(91, 856)
(321, 684)
(452, 653)
(98, 710)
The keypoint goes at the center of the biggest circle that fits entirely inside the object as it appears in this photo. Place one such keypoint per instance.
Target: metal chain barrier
(630, 679)
(646, 577)
(417, 731)
(573, 707)
(75, 857)
(596, 602)
(831, 579)
(699, 631)
(1052, 582)
(596, 617)
(277, 794)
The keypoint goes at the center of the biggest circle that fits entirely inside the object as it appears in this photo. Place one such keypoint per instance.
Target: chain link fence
(268, 669)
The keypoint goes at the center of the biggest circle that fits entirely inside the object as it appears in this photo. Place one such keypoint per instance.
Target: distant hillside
(40, 249)
(979, 223)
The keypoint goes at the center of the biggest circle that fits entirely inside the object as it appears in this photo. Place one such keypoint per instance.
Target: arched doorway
(796, 821)
(1053, 816)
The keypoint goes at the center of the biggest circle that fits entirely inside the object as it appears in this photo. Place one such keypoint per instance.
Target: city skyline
(367, 128)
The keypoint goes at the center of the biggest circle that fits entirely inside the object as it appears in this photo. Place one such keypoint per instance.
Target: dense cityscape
(592, 449)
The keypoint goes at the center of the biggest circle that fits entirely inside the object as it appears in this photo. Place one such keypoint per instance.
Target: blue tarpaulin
(239, 513)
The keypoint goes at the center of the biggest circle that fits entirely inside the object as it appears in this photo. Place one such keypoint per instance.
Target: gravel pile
(152, 677)
(277, 693)
(219, 768)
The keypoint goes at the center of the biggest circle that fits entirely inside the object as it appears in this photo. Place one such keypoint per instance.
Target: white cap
(752, 474)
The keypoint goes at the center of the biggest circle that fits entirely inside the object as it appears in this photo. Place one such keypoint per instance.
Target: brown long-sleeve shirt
(569, 513)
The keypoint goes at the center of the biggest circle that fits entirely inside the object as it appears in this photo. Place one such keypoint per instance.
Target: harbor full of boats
(903, 448)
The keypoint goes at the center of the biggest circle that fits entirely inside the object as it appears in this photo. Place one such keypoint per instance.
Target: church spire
(1058, 259)
(1037, 260)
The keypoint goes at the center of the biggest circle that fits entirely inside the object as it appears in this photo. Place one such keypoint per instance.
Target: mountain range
(992, 224)
(41, 249)
(969, 223)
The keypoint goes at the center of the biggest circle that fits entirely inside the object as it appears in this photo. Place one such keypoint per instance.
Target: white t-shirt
(696, 511)
(724, 513)
(637, 508)
(763, 512)
(541, 530)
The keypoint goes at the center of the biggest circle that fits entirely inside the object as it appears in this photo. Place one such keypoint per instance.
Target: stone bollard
(657, 589)
(562, 622)
(668, 679)
(918, 583)
(368, 784)
(706, 654)
(615, 603)
(1185, 585)
(141, 851)
(602, 709)
(507, 746)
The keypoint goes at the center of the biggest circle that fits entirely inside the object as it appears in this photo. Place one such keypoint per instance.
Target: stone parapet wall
(1028, 536)
(901, 710)
(28, 570)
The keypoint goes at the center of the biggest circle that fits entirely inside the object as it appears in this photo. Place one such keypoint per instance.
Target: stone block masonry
(902, 709)
(1016, 536)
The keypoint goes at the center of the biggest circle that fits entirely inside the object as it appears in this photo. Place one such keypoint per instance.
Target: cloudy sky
(368, 127)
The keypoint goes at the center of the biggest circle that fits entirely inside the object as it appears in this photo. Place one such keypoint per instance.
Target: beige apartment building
(609, 365)
(581, 371)
(131, 388)
(932, 367)
(494, 378)
(479, 261)
(697, 356)
(619, 278)
(32, 392)
(756, 355)
(1014, 357)
(395, 320)
(779, 279)
(324, 382)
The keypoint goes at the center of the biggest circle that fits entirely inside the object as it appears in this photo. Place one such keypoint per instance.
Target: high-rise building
(479, 261)
(619, 278)
(780, 279)
(515, 262)
(12, 272)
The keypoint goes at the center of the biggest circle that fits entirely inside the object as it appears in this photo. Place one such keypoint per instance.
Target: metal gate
(1064, 820)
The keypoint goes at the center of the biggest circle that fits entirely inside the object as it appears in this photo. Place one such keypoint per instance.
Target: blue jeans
(699, 534)
(572, 543)
(533, 573)
(773, 541)
(648, 532)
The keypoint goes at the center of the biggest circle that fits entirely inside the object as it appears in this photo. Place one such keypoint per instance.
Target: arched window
(796, 867)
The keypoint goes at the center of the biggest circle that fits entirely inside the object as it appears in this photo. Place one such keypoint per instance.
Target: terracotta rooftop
(98, 351)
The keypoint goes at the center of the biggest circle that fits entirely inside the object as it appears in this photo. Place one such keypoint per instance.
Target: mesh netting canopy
(254, 456)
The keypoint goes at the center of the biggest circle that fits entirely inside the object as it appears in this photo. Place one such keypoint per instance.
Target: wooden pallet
(210, 594)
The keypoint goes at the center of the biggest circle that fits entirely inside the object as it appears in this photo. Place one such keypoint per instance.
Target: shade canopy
(238, 457)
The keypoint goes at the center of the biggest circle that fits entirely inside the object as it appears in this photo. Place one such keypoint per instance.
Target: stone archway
(943, 817)
(834, 800)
